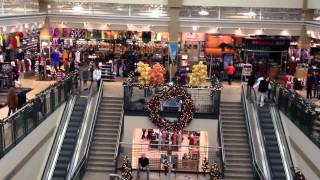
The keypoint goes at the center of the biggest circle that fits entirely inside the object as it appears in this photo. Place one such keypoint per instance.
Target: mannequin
(78, 56)
(20, 57)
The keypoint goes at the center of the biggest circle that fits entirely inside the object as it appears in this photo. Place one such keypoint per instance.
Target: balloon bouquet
(143, 70)
(198, 75)
(157, 75)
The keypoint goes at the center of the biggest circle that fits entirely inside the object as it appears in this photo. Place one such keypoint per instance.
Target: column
(174, 23)
(304, 41)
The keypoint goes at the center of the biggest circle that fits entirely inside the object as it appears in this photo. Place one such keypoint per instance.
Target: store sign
(246, 70)
(173, 50)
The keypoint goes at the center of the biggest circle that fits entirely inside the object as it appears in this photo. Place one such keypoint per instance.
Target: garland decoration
(166, 93)
(126, 170)
(215, 173)
(204, 166)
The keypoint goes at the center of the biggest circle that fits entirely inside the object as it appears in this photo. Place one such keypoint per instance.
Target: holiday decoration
(204, 166)
(143, 70)
(214, 172)
(166, 93)
(126, 170)
(157, 75)
(198, 75)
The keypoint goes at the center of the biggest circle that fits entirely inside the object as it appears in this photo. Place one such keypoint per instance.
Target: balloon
(156, 75)
(198, 75)
(143, 70)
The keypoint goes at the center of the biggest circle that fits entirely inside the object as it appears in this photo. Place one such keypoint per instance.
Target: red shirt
(230, 70)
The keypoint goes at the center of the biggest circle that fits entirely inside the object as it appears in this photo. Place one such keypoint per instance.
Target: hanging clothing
(1, 40)
(13, 42)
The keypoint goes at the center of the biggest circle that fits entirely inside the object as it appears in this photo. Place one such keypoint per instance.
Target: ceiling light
(4, 28)
(203, 12)
(250, 14)
(285, 33)
(26, 26)
(194, 28)
(77, 8)
(259, 32)
(49, 6)
(156, 12)
(317, 18)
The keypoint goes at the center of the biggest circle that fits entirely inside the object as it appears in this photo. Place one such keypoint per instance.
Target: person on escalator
(251, 81)
(263, 87)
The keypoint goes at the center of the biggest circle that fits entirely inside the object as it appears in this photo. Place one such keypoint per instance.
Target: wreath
(187, 108)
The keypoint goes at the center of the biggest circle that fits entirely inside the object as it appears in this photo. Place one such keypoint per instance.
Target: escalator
(66, 139)
(271, 144)
(70, 139)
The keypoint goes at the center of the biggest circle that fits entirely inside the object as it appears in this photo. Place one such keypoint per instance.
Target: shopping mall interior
(162, 89)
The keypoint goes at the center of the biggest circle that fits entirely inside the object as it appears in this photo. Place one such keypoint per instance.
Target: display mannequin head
(20, 50)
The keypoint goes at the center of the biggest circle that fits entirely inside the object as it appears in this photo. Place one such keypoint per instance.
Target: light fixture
(317, 18)
(203, 12)
(49, 6)
(285, 33)
(157, 12)
(250, 13)
(77, 8)
(194, 28)
(26, 26)
(62, 23)
(238, 31)
(259, 32)
(4, 28)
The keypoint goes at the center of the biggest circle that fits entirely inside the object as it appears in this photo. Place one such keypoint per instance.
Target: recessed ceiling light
(250, 13)
(194, 28)
(77, 8)
(203, 12)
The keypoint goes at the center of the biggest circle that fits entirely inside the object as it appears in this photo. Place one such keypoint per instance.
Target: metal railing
(300, 111)
(79, 169)
(258, 156)
(156, 152)
(206, 100)
(17, 126)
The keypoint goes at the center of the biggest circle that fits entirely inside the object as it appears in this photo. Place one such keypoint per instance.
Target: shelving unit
(107, 72)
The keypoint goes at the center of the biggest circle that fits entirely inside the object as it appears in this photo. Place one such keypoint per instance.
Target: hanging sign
(246, 69)
(173, 50)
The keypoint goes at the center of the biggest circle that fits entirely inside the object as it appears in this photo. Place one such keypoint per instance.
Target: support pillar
(304, 41)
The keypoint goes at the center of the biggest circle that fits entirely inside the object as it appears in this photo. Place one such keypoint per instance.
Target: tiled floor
(113, 89)
(36, 86)
(231, 93)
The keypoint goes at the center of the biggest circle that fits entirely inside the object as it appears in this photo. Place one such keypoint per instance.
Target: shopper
(230, 72)
(310, 84)
(85, 75)
(143, 165)
(12, 100)
(97, 76)
(251, 82)
(72, 66)
(263, 86)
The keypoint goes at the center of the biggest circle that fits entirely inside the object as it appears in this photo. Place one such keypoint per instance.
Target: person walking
(97, 76)
(143, 165)
(85, 75)
(251, 82)
(310, 84)
(230, 72)
(12, 100)
(263, 86)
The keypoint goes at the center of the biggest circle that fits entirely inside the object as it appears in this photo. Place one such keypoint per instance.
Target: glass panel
(30, 117)
(48, 103)
(19, 126)
(109, 9)
(7, 135)
(12, 7)
(56, 98)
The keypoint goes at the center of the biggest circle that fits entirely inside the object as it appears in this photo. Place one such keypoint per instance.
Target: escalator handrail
(221, 139)
(282, 138)
(266, 175)
(80, 135)
(58, 139)
(119, 134)
(84, 159)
